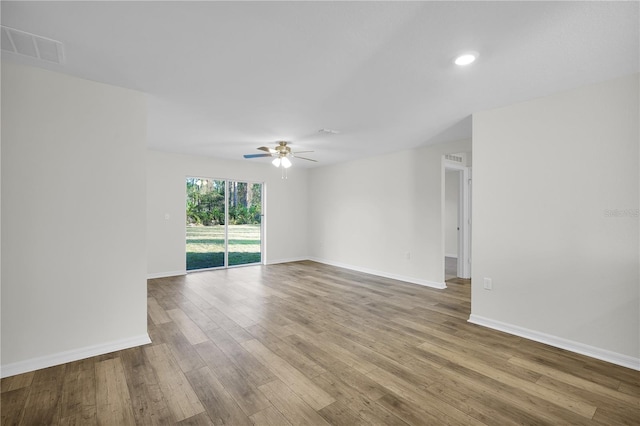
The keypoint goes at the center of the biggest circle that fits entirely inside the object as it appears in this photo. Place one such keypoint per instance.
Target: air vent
(31, 45)
(456, 158)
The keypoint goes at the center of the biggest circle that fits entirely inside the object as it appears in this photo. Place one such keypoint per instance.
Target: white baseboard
(166, 274)
(72, 355)
(559, 342)
(411, 280)
(291, 259)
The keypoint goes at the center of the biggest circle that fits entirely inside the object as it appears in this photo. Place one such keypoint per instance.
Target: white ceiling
(223, 78)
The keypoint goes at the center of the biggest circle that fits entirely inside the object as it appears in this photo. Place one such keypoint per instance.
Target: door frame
(464, 218)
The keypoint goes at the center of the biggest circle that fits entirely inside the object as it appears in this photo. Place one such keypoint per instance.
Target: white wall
(368, 214)
(451, 201)
(285, 207)
(73, 218)
(547, 174)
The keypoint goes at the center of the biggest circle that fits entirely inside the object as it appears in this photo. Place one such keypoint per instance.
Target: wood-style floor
(305, 343)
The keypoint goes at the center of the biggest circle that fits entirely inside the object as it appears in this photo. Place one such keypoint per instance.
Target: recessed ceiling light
(466, 58)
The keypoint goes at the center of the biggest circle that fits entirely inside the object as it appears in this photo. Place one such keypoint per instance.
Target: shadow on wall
(457, 131)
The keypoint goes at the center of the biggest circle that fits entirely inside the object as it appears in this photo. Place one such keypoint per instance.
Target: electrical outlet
(488, 284)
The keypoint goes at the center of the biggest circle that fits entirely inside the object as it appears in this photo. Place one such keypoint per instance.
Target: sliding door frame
(227, 195)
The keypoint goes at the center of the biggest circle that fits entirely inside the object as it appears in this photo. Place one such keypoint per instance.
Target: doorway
(224, 223)
(451, 223)
(456, 223)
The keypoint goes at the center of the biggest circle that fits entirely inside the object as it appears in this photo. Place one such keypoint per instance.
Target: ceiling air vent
(456, 158)
(31, 45)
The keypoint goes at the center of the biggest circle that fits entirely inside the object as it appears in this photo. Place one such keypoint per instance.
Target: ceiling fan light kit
(282, 152)
(286, 163)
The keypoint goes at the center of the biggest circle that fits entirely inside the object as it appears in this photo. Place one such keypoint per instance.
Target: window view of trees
(205, 202)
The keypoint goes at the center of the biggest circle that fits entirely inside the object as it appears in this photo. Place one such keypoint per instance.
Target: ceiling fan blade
(301, 152)
(302, 158)
(256, 155)
(265, 148)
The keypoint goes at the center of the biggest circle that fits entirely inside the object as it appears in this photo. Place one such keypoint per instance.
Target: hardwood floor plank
(626, 411)
(41, 405)
(516, 400)
(12, 405)
(261, 288)
(350, 394)
(365, 385)
(201, 419)
(195, 314)
(629, 389)
(339, 414)
(297, 382)
(287, 352)
(113, 403)
(574, 404)
(345, 356)
(224, 293)
(418, 395)
(321, 359)
(220, 406)
(217, 317)
(412, 370)
(257, 373)
(18, 381)
(225, 307)
(487, 407)
(306, 287)
(160, 293)
(181, 399)
(78, 403)
(294, 409)
(610, 416)
(156, 312)
(233, 378)
(190, 330)
(148, 403)
(361, 357)
(270, 416)
(183, 352)
(496, 358)
(411, 413)
(575, 381)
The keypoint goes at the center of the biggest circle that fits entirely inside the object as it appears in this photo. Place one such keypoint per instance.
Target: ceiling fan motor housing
(283, 149)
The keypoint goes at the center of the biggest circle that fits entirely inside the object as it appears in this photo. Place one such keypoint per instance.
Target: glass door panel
(206, 216)
(245, 223)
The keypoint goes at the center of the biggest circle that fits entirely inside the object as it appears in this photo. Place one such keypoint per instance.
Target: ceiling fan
(282, 153)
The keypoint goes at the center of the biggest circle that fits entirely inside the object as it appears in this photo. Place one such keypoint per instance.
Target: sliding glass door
(206, 218)
(224, 223)
(245, 223)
